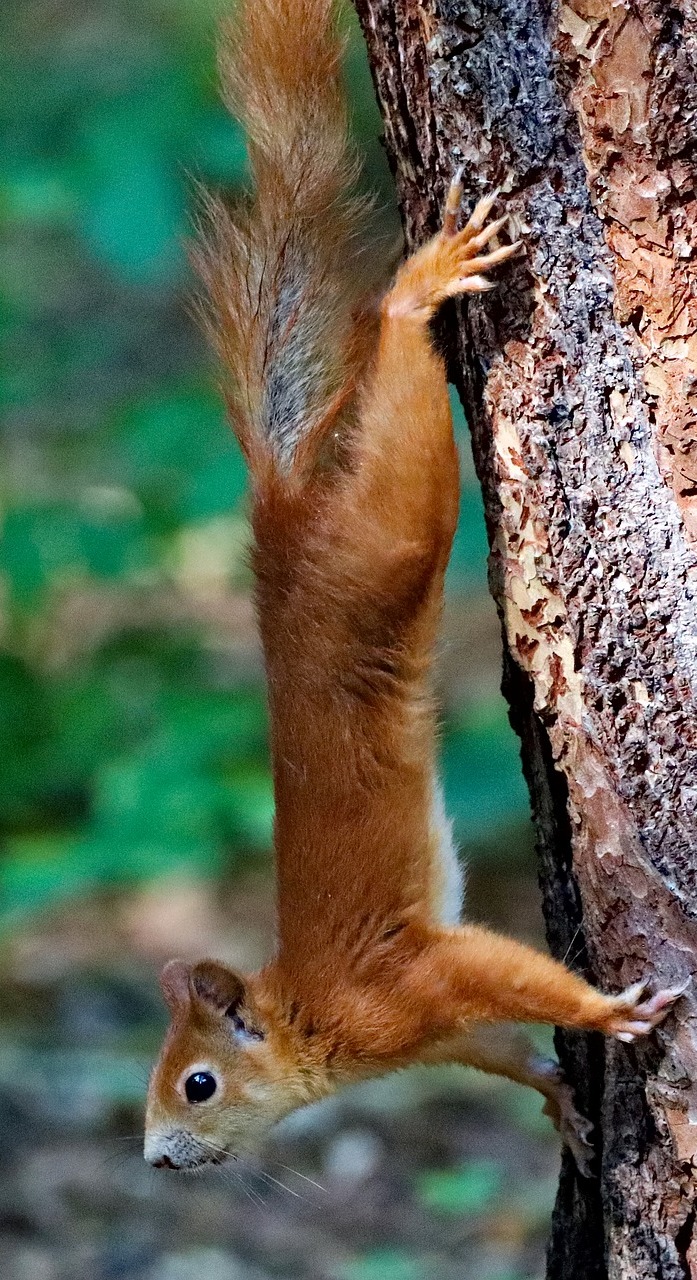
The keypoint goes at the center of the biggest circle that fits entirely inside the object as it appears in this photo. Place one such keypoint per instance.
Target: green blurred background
(132, 721)
(133, 731)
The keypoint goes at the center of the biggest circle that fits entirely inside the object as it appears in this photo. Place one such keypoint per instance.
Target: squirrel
(339, 402)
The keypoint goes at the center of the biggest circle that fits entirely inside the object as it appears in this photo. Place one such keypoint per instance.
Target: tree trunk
(579, 378)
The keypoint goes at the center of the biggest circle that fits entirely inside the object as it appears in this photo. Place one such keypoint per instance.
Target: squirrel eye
(200, 1086)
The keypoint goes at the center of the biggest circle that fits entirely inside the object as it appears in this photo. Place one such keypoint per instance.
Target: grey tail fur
(283, 270)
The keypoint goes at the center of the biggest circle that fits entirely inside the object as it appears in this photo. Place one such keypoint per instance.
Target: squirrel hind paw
(462, 256)
(450, 263)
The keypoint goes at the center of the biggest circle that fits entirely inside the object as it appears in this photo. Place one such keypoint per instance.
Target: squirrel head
(226, 1072)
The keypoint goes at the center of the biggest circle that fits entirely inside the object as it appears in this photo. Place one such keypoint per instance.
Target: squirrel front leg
(471, 974)
(493, 978)
(506, 1051)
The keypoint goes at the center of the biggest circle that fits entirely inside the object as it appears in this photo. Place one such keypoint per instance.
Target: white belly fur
(449, 874)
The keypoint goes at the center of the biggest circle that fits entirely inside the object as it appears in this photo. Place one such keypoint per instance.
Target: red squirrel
(340, 405)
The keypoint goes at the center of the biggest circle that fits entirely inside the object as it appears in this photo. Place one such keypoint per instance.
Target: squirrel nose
(164, 1162)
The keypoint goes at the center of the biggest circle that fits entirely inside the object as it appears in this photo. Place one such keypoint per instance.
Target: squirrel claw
(475, 284)
(475, 234)
(484, 237)
(453, 203)
(481, 211)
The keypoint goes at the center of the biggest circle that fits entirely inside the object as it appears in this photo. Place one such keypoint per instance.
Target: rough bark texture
(579, 377)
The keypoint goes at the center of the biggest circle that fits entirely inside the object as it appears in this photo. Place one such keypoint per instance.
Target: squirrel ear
(216, 985)
(174, 981)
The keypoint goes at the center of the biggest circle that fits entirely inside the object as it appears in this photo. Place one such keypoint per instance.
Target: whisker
(140, 1073)
(568, 949)
(115, 1162)
(289, 1169)
(578, 955)
(213, 1146)
(227, 1173)
(269, 1178)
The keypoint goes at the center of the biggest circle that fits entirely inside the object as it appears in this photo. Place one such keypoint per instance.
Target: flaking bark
(579, 377)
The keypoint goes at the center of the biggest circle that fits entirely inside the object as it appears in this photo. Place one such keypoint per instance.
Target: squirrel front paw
(634, 1016)
(575, 1130)
(451, 262)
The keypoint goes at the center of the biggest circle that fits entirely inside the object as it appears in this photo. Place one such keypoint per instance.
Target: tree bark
(579, 379)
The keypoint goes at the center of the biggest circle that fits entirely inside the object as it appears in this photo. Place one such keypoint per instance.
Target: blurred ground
(135, 797)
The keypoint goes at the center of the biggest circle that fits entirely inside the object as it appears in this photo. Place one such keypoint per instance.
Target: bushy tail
(283, 271)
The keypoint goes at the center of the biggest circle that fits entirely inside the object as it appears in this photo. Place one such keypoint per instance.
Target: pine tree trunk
(579, 378)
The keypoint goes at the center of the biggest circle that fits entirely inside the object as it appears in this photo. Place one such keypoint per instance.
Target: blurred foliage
(468, 1190)
(383, 1264)
(133, 737)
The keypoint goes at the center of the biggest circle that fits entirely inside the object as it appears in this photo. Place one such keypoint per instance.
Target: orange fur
(351, 546)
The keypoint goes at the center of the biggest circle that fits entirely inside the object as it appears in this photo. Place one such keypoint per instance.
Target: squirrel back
(284, 270)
